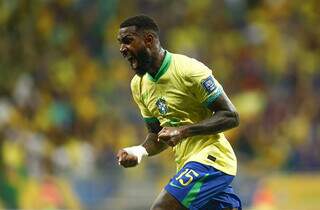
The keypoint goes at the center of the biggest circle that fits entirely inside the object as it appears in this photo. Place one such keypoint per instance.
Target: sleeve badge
(209, 85)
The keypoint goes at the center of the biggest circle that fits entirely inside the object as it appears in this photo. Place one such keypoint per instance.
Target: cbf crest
(162, 106)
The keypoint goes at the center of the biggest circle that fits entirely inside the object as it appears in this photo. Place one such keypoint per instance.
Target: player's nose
(123, 50)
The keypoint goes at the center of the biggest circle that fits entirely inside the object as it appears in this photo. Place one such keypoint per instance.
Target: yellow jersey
(179, 95)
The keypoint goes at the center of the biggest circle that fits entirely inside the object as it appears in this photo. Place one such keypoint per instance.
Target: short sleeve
(202, 83)
(136, 94)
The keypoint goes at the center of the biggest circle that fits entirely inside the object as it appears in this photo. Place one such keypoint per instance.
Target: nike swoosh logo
(174, 185)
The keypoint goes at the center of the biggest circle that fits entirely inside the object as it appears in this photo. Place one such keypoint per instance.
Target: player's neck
(159, 57)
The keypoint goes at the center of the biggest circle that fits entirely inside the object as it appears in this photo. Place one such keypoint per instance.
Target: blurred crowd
(66, 107)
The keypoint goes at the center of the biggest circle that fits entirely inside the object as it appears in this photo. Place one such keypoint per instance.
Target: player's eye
(127, 40)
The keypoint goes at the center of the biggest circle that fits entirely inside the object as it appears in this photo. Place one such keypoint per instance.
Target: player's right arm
(131, 156)
(152, 145)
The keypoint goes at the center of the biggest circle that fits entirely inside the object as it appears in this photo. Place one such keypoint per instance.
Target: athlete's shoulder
(134, 84)
(182, 58)
(188, 61)
(135, 79)
(189, 66)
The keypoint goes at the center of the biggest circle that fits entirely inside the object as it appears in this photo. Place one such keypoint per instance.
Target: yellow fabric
(181, 88)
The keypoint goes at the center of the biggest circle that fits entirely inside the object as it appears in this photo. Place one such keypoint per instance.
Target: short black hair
(141, 22)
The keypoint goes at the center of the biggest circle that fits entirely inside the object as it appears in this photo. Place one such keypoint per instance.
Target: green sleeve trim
(212, 98)
(163, 68)
(150, 119)
(192, 194)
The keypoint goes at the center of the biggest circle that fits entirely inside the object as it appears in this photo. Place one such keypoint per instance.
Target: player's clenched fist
(126, 160)
(171, 136)
(131, 156)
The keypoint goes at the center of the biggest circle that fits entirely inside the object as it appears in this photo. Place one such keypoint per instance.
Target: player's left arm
(224, 118)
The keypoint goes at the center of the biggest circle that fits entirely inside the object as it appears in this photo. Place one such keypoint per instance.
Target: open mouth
(133, 62)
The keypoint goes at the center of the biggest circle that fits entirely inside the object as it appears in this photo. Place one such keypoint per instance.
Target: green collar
(163, 68)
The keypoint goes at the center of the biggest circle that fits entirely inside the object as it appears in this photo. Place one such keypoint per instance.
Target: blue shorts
(199, 186)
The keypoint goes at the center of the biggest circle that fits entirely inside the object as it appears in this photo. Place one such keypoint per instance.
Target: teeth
(134, 64)
(131, 60)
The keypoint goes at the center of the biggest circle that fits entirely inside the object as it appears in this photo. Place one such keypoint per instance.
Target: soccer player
(184, 108)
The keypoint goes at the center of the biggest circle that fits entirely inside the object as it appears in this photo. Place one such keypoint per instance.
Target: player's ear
(149, 39)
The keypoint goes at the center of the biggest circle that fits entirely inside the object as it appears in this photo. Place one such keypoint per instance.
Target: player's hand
(126, 160)
(171, 136)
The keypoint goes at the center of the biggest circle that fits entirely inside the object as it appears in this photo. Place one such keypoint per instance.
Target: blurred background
(66, 107)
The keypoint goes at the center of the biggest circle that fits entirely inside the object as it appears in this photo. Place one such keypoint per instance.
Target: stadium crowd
(66, 107)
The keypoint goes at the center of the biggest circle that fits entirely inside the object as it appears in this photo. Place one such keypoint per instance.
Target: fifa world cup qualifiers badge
(162, 106)
(209, 84)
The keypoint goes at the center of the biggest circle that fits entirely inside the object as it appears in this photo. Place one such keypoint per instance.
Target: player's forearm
(152, 145)
(219, 122)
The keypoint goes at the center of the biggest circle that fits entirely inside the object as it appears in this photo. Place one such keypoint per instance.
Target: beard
(144, 62)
